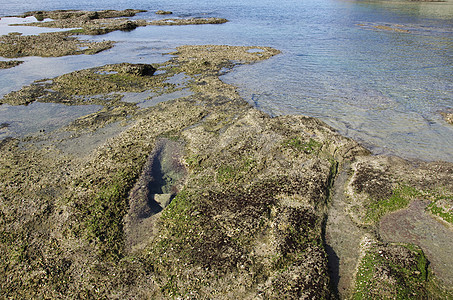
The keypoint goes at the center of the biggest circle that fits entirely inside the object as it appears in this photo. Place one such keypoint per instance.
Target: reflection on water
(39, 117)
(383, 87)
(144, 100)
(5, 27)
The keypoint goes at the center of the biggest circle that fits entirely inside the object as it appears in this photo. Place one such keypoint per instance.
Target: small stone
(138, 69)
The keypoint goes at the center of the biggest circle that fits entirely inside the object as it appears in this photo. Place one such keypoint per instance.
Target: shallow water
(39, 117)
(382, 87)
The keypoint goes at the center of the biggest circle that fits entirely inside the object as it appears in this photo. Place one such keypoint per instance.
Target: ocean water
(384, 88)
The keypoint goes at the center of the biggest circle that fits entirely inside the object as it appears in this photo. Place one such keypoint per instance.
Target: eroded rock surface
(56, 44)
(244, 216)
(246, 221)
(48, 44)
(378, 188)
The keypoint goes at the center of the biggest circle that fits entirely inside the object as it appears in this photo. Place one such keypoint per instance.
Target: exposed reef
(377, 187)
(56, 44)
(198, 197)
(81, 15)
(163, 12)
(384, 184)
(9, 64)
(102, 22)
(389, 271)
(48, 44)
(191, 21)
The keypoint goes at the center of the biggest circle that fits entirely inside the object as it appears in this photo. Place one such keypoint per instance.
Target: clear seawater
(383, 88)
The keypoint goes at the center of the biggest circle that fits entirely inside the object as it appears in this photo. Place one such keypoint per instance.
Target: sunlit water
(383, 88)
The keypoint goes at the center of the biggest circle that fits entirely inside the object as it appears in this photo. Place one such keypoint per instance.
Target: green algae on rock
(250, 209)
(199, 197)
(72, 87)
(378, 189)
(389, 271)
(380, 185)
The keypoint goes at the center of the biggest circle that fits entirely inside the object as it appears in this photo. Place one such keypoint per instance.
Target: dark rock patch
(137, 69)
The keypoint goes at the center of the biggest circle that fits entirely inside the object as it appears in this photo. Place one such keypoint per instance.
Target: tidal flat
(204, 196)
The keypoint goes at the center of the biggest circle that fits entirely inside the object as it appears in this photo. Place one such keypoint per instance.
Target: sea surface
(378, 71)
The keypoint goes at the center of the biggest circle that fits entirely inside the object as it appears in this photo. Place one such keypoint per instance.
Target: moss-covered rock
(391, 271)
(395, 200)
(198, 197)
(380, 185)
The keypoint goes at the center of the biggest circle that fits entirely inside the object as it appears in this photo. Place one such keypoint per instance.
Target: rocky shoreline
(204, 196)
(64, 43)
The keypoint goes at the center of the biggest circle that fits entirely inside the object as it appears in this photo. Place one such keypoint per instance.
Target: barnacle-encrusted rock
(202, 196)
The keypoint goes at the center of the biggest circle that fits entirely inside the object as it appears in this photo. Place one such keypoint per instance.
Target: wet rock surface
(48, 44)
(414, 225)
(9, 64)
(374, 208)
(163, 12)
(343, 239)
(56, 44)
(202, 196)
(250, 210)
(162, 177)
